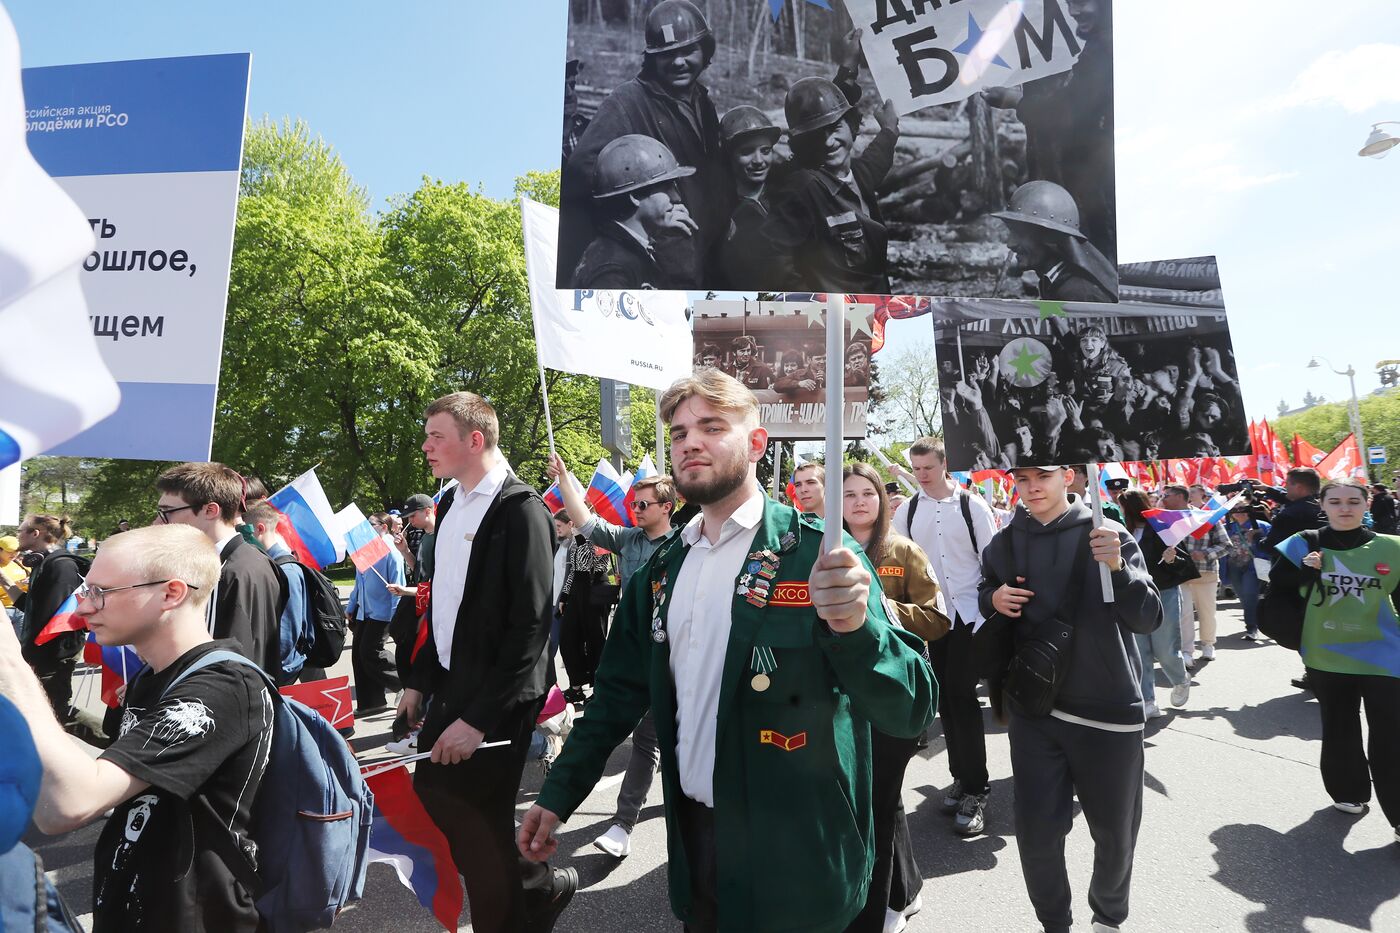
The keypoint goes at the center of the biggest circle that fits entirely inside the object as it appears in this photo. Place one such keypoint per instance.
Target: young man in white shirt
(953, 527)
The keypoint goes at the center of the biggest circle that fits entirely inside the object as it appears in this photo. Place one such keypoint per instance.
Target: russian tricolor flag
(363, 545)
(552, 499)
(404, 836)
(1175, 525)
(119, 664)
(645, 470)
(307, 522)
(65, 620)
(607, 495)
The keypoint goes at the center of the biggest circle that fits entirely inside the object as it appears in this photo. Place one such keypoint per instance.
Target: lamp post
(1379, 142)
(1353, 408)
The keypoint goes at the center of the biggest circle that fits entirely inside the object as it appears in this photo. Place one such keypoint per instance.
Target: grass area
(342, 575)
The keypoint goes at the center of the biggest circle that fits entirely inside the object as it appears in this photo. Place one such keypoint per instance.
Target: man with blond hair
(765, 663)
(198, 746)
(248, 601)
(486, 666)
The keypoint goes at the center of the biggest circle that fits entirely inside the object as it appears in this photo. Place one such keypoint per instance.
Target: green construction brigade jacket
(793, 824)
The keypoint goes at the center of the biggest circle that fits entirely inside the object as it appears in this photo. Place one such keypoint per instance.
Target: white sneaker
(1207, 652)
(617, 841)
(1104, 928)
(1353, 808)
(917, 904)
(1180, 694)
(407, 745)
(1189, 659)
(1153, 711)
(894, 921)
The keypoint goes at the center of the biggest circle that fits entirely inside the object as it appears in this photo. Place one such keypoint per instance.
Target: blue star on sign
(974, 36)
(777, 6)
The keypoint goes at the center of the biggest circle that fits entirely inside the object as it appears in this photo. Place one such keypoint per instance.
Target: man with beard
(766, 664)
(667, 102)
(747, 368)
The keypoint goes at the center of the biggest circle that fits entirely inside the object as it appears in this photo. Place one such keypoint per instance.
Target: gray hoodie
(1104, 676)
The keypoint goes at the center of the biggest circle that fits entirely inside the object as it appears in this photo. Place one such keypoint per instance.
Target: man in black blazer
(248, 601)
(485, 666)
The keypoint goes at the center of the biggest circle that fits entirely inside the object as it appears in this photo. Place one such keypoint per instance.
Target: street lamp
(1354, 408)
(1379, 142)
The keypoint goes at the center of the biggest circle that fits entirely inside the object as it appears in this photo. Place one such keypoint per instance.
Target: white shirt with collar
(698, 630)
(940, 530)
(452, 554)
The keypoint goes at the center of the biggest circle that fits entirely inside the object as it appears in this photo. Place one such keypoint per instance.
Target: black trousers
(1052, 761)
(56, 677)
(372, 666)
(959, 709)
(403, 629)
(581, 637)
(1347, 770)
(473, 803)
(697, 823)
(894, 854)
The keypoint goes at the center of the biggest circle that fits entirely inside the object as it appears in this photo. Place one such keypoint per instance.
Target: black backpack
(325, 616)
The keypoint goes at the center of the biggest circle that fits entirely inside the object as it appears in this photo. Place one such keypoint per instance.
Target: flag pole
(660, 442)
(777, 467)
(880, 455)
(1091, 483)
(835, 415)
(548, 419)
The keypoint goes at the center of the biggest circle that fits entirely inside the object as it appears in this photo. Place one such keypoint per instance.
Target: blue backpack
(310, 821)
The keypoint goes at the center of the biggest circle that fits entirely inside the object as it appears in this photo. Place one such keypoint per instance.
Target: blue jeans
(1164, 644)
(1246, 586)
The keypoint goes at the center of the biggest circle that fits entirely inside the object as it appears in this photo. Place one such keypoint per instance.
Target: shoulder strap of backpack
(282, 559)
(965, 503)
(215, 657)
(909, 516)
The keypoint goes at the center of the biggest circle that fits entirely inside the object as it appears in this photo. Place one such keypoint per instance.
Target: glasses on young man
(641, 505)
(97, 595)
(163, 515)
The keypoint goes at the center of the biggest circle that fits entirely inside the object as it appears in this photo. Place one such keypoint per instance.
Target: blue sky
(1238, 125)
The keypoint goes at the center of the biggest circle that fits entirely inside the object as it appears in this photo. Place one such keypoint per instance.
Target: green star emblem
(1049, 309)
(1024, 363)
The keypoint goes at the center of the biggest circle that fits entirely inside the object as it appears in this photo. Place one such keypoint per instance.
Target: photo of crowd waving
(1027, 382)
(865, 148)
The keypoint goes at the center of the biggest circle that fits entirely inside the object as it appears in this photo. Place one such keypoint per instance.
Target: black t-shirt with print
(158, 865)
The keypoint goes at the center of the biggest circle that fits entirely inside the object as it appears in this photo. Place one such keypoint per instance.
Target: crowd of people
(766, 681)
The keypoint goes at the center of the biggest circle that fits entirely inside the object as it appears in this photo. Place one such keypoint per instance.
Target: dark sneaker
(971, 818)
(952, 798)
(1301, 682)
(565, 884)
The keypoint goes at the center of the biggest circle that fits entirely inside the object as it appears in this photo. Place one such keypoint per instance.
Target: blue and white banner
(150, 150)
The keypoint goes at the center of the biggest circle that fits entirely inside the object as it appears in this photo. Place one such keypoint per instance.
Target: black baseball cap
(416, 502)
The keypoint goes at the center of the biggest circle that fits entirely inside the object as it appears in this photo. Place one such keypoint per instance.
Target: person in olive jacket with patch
(767, 663)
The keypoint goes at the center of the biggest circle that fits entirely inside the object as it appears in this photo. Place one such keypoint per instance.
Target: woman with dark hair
(57, 577)
(1347, 577)
(912, 592)
(1164, 643)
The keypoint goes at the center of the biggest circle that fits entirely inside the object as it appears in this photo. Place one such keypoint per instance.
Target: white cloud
(1355, 79)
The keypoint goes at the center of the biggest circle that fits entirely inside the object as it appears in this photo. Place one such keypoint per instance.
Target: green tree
(1326, 426)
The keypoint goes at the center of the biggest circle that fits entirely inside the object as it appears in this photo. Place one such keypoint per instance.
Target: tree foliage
(1326, 426)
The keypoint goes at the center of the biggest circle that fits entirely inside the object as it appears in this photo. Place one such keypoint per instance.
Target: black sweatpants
(581, 637)
(894, 854)
(56, 677)
(473, 803)
(1347, 770)
(959, 709)
(697, 823)
(373, 667)
(1052, 761)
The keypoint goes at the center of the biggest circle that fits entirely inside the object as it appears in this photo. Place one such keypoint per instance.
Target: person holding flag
(1206, 545)
(369, 610)
(653, 501)
(51, 587)
(766, 663)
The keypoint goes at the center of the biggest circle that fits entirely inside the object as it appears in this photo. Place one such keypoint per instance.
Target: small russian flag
(119, 664)
(363, 545)
(404, 836)
(63, 621)
(1176, 525)
(645, 470)
(306, 522)
(607, 496)
(552, 499)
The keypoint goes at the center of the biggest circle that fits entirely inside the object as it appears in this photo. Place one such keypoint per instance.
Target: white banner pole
(1091, 483)
(835, 415)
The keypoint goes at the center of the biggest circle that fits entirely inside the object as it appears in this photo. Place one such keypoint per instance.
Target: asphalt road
(1237, 832)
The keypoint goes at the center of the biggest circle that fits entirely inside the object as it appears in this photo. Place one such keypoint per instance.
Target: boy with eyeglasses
(247, 603)
(654, 501)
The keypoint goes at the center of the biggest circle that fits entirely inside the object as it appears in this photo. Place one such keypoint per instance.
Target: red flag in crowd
(1305, 454)
(1344, 461)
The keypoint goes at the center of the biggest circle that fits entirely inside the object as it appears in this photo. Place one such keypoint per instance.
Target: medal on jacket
(658, 599)
(755, 583)
(763, 664)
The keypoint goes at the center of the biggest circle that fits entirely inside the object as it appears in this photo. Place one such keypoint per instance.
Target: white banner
(922, 54)
(638, 337)
(9, 495)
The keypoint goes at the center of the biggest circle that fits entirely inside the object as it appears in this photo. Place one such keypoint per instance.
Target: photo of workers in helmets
(747, 146)
(1149, 378)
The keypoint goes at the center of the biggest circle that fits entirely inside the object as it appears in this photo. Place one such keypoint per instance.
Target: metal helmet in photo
(674, 24)
(632, 162)
(1044, 204)
(747, 121)
(813, 103)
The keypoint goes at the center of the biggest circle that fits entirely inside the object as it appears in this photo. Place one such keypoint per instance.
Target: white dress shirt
(940, 530)
(698, 629)
(452, 554)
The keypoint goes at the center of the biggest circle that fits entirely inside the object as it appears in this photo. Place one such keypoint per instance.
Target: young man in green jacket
(766, 663)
